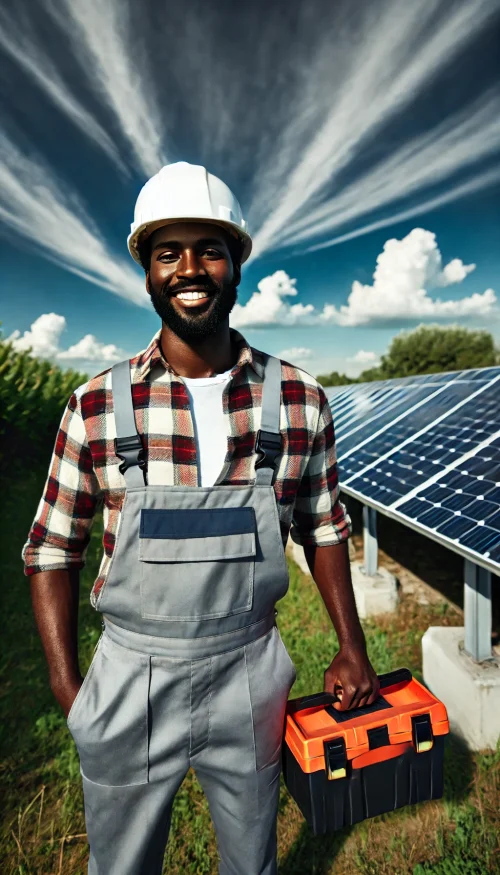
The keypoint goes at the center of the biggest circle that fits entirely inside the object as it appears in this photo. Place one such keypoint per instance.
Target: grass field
(43, 828)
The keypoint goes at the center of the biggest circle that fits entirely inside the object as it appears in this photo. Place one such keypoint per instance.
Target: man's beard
(195, 326)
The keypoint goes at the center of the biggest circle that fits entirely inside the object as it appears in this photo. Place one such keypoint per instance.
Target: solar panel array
(426, 451)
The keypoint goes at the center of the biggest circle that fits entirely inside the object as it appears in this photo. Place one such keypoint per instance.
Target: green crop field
(43, 828)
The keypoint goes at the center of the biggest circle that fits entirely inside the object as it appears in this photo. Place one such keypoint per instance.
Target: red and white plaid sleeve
(60, 533)
(319, 517)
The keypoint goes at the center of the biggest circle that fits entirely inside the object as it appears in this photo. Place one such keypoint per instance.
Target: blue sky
(356, 136)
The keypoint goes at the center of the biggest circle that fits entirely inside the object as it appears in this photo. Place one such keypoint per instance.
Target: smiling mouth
(189, 296)
(193, 297)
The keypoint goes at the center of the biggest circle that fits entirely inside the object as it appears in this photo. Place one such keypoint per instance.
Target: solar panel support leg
(370, 543)
(477, 611)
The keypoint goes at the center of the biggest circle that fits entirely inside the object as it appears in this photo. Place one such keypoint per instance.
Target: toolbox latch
(422, 732)
(335, 759)
(378, 737)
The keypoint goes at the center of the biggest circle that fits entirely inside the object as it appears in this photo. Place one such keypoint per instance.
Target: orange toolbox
(344, 766)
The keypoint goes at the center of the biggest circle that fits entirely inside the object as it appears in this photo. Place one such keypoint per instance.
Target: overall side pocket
(271, 674)
(85, 683)
(110, 724)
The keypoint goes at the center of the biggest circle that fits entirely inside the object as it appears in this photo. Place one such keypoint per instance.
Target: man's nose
(189, 264)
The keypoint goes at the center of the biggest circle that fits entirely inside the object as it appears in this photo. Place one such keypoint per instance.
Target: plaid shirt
(84, 470)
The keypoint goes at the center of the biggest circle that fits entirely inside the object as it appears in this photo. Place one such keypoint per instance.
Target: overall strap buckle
(131, 450)
(268, 444)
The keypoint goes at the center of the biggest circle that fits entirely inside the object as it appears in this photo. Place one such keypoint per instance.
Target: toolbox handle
(311, 701)
(399, 675)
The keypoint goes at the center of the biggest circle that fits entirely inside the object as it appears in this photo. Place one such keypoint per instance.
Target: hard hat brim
(141, 234)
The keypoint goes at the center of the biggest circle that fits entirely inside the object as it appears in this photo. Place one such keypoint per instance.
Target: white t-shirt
(205, 397)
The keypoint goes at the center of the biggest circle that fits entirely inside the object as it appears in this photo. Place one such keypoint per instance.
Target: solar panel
(426, 451)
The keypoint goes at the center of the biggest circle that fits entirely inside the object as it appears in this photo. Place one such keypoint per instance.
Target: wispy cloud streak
(488, 179)
(36, 204)
(111, 55)
(18, 39)
(107, 58)
(427, 160)
(397, 55)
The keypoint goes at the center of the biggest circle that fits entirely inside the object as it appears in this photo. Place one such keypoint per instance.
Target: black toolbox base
(331, 805)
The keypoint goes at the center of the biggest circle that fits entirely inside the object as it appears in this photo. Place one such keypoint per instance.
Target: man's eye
(212, 252)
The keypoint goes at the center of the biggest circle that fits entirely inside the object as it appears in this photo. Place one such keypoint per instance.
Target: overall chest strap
(268, 439)
(128, 444)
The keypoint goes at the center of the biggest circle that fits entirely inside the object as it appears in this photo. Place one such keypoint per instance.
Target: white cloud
(44, 336)
(454, 272)
(405, 270)
(364, 357)
(267, 307)
(92, 350)
(43, 209)
(296, 353)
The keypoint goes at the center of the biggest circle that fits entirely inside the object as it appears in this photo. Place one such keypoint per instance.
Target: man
(205, 451)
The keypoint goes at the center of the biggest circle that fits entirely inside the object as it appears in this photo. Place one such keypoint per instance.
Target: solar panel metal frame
(392, 511)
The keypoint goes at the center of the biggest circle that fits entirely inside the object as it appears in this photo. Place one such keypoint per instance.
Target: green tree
(430, 349)
(370, 375)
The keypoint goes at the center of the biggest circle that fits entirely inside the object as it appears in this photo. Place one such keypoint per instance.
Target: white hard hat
(186, 192)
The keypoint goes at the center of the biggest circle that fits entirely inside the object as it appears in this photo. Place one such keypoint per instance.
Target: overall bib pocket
(197, 564)
(109, 723)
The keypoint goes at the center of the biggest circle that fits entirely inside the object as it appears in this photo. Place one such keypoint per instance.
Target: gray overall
(190, 669)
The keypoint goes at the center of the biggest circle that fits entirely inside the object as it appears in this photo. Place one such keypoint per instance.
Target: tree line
(429, 349)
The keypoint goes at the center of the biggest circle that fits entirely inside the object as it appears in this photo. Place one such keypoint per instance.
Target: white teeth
(192, 296)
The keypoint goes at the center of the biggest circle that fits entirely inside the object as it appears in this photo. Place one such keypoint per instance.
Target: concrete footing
(469, 690)
(374, 593)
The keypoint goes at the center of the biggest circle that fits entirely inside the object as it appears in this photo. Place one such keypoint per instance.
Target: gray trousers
(140, 720)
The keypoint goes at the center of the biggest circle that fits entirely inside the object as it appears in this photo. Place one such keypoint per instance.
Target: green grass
(43, 828)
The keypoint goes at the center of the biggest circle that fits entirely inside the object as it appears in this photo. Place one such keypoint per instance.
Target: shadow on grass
(459, 769)
(311, 854)
(315, 855)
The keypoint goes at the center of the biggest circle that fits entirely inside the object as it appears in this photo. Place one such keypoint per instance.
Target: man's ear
(148, 286)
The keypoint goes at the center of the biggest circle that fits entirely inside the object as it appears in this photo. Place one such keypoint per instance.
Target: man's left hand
(352, 672)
